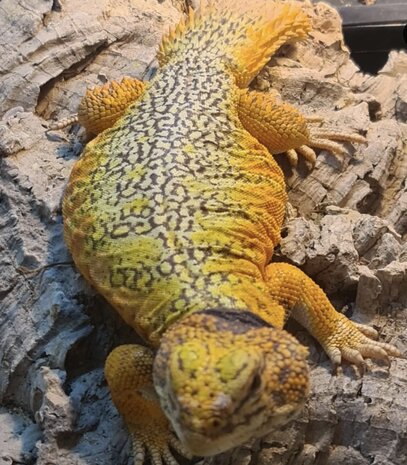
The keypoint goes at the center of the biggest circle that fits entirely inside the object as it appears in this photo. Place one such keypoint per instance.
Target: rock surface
(346, 227)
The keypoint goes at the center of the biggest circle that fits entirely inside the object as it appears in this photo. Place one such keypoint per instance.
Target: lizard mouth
(201, 444)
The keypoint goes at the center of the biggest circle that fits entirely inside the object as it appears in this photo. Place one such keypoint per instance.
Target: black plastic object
(371, 31)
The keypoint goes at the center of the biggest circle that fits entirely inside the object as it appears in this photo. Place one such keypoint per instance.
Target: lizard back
(177, 208)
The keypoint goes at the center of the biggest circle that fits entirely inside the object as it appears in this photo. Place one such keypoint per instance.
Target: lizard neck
(239, 287)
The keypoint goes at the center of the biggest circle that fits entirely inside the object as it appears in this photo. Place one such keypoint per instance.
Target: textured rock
(346, 228)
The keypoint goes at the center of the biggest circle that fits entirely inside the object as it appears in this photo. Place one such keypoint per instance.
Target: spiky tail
(245, 33)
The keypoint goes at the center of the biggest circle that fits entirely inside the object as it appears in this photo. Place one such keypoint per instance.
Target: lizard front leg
(341, 338)
(103, 105)
(282, 128)
(128, 371)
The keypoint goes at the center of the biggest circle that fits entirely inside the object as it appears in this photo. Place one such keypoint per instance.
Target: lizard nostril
(256, 383)
(215, 422)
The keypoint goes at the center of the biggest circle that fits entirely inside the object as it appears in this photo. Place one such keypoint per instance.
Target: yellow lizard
(172, 214)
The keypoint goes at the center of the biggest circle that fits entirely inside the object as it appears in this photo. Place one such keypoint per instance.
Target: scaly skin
(173, 214)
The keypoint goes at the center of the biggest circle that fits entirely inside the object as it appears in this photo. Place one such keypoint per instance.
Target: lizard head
(225, 377)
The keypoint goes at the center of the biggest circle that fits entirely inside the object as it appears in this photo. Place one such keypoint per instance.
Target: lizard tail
(243, 33)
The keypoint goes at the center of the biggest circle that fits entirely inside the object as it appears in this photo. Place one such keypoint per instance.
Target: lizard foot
(159, 453)
(324, 140)
(352, 342)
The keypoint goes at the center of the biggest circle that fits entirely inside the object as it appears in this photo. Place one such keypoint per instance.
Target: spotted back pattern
(177, 208)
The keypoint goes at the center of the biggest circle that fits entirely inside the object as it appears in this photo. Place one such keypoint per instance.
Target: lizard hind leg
(128, 371)
(340, 337)
(103, 105)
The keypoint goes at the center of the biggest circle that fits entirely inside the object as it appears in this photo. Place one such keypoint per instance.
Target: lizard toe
(169, 459)
(155, 456)
(292, 157)
(334, 355)
(159, 454)
(353, 356)
(309, 155)
(377, 349)
(367, 330)
(374, 351)
(177, 445)
(139, 451)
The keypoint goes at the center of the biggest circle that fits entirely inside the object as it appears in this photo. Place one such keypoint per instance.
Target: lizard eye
(256, 383)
